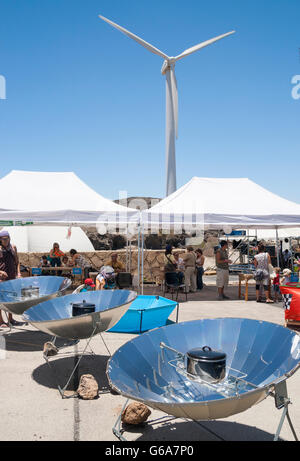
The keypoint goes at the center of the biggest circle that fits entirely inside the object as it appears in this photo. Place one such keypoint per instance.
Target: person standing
(79, 261)
(9, 268)
(261, 262)
(222, 263)
(200, 269)
(190, 276)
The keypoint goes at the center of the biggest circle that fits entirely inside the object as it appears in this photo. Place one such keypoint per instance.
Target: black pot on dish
(82, 308)
(206, 364)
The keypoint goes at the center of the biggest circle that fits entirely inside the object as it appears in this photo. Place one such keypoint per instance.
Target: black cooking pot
(82, 308)
(206, 364)
(30, 292)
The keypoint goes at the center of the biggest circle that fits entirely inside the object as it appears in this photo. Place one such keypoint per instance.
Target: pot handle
(206, 348)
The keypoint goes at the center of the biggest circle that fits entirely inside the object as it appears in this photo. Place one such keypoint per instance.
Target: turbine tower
(168, 69)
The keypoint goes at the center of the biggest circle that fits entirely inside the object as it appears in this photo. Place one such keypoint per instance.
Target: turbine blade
(202, 45)
(174, 98)
(136, 38)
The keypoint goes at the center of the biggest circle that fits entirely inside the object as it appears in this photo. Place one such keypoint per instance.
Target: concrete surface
(32, 408)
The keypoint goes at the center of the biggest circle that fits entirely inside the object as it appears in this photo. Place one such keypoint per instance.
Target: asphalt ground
(32, 408)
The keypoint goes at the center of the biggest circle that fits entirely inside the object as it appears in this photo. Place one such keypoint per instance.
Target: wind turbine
(168, 69)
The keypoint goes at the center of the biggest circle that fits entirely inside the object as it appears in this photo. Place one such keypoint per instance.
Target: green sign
(15, 223)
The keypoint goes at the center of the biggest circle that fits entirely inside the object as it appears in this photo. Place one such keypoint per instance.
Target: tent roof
(282, 233)
(236, 202)
(53, 197)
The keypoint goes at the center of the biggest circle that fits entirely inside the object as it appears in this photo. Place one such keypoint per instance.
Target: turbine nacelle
(167, 65)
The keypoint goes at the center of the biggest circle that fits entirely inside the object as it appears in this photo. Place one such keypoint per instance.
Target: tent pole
(130, 255)
(127, 252)
(138, 264)
(277, 247)
(142, 259)
(248, 248)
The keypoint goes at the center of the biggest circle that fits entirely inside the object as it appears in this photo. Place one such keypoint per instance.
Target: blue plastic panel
(145, 313)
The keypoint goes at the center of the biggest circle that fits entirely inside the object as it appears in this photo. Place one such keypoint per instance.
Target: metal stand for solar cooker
(12, 327)
(118, 431)
(6, 313)
(280, 396)
(282, 401)
(78, 358)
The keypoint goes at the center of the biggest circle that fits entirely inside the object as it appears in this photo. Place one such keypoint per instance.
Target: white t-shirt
(100, 278)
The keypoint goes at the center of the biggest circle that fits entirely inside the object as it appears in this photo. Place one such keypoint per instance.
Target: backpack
(260, 274)
(170, 266)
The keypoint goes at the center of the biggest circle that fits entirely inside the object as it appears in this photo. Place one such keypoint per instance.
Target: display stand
(281, 402)
(77, 359)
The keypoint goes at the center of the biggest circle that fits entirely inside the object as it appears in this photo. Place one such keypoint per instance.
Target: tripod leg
(117, 431)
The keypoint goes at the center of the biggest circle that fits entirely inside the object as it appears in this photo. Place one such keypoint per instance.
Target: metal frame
(118, 431)
(141, 311)
(78, 357)
(281, 401)
(11, 327)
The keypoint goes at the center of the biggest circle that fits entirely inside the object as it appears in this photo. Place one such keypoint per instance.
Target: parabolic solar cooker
(16, 296)
(207, 369)
(80, 315)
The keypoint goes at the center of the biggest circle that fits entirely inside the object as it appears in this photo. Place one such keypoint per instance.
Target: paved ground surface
(32, 409)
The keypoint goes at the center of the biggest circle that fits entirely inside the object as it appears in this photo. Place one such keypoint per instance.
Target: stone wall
(153, 260)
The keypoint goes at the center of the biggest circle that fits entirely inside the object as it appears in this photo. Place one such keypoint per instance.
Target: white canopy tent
(40, 239)
(269, 234)
(59, 198)
(230, 203)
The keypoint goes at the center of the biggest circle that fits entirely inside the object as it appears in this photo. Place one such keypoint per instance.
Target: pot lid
(83, 305)
(206, 353)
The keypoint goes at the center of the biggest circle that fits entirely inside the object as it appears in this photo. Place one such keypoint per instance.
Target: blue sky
(83, 97)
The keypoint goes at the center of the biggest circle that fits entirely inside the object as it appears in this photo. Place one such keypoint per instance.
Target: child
(88, 285)
(286, 279)
(65, 261)
(44, 261)
(276, 284)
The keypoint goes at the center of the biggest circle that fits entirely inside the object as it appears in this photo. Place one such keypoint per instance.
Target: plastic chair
(172, 282)
(77, 290)
(124, 280)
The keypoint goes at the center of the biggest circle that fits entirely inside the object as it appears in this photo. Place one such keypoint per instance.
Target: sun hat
(4, 233)
(287, 272)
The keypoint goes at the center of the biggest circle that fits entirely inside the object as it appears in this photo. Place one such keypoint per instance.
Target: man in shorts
(222, 263)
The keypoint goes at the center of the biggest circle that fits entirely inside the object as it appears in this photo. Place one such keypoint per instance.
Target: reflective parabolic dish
(11, 298)
(55, 316)
(260, 354)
